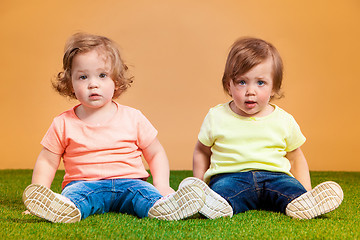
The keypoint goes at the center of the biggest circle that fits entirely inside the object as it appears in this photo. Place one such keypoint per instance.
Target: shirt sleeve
(146, 132)
(205, 136)
(54, 138)
(295, 137)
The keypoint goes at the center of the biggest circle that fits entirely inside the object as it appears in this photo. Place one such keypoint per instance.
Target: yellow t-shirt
(242, 144)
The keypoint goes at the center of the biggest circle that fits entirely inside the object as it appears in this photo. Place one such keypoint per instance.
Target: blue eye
(241, 82)
(102, 75)
(261, 83)
(82, 77)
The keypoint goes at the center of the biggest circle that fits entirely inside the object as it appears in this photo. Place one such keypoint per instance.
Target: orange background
(177, 51)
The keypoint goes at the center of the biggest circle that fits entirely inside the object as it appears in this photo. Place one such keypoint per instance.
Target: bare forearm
(303, 176)
(160, 170)
(45, 168)
(159, 167)
(43, 174)
(300, 168)
(201, 160)
(200, 165)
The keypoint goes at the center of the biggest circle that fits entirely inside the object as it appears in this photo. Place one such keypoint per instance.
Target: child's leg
(215, 206)
(44, 203)
(239, 189)
(130, 196)
(91, 197)
(133, 196)
(324, 198)
(286, 194)
(277, 190)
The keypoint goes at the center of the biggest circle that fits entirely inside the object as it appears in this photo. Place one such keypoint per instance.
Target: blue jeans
(263, 190)
(131, 196)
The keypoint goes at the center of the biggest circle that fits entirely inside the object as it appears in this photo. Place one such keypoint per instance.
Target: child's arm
(158, 162)
(299, 167)
(201, 160)
(45, 167)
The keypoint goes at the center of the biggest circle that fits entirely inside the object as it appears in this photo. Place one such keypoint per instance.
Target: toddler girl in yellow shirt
(248, 149)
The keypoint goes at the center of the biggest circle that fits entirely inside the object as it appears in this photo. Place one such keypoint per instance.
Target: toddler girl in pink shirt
(101, 143)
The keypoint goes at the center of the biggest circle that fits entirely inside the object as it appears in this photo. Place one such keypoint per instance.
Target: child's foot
(324, 198)
(184, 203)
(44, 203)
(215, 206)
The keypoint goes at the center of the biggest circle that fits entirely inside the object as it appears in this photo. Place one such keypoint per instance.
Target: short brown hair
(245, 54)
(81, 43)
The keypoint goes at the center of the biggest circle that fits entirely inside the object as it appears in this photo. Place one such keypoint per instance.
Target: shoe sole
(324, 198)
(215, 206)
(44, 203)
(184, 203)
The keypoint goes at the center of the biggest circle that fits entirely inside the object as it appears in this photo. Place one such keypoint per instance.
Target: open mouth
(250, 104)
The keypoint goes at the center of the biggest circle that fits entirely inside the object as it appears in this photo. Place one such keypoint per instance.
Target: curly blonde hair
(84, 42)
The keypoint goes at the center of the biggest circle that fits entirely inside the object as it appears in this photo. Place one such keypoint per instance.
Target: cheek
(111, 87)
(77, 90)
(266, 96)
(237, 92)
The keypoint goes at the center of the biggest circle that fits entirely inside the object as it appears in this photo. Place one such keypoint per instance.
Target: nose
(93, 83)
(250, 90)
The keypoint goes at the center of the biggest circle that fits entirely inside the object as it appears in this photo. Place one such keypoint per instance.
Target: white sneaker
(324, 198)
(44, 203)
(184, 203)
(215, 206)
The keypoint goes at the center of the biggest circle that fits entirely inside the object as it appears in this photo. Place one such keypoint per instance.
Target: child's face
(91, 81)
(252, 91)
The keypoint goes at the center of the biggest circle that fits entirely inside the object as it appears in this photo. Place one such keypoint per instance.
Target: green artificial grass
(342, 223)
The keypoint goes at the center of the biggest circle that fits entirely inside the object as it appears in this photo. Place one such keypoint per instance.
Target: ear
(228, 87)
(273, 93)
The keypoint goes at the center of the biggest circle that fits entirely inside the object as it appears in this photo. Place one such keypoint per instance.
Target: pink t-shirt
(107, 151)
